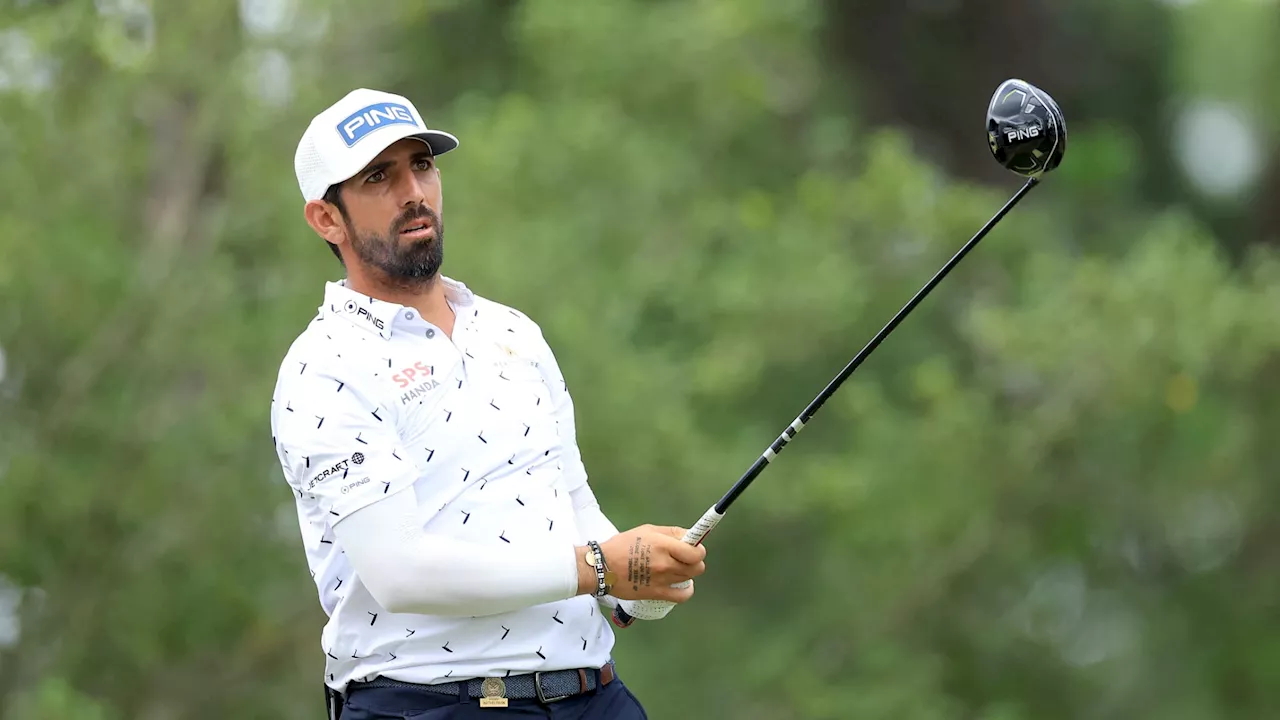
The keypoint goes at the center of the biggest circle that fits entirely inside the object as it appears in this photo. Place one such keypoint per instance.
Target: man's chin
(418, 267)
(413, 272)
(417, 245)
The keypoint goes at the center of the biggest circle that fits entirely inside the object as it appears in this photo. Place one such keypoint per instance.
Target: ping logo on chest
(360, 123)
(420, 373)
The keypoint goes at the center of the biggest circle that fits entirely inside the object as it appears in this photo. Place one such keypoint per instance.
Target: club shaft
(799, 423)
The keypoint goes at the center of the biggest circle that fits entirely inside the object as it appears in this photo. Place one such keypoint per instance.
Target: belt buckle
(537, 688)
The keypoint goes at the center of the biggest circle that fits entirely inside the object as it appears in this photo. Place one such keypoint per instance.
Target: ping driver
(1028, 135)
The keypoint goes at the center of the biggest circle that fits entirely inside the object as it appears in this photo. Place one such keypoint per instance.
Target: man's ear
(326, 220)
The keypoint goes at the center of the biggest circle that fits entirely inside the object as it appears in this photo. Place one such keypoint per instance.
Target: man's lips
(418, 231)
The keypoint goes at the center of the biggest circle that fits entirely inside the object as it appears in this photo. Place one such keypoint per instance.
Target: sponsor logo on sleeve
(339, 468)
(348, 488)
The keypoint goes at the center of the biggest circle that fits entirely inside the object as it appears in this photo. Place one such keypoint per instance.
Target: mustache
(413, 216)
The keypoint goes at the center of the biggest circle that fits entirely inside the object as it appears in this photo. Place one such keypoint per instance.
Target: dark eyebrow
(376, 167)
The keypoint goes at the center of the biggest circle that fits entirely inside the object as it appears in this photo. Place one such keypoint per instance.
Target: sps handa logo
(406, 376)
(360, 123)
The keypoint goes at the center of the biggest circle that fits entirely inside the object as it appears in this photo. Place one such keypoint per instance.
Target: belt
(546, 687)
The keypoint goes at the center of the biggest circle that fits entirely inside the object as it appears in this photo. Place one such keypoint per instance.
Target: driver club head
(1025, 129)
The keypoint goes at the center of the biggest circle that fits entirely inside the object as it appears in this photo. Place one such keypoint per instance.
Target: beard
(408, 264)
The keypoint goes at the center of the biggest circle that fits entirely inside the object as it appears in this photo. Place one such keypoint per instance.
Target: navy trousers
(611, 702)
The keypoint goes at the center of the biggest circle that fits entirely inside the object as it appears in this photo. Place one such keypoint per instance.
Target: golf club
(1027, 134)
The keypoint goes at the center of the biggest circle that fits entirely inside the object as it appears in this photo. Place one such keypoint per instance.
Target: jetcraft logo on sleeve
(342, 466)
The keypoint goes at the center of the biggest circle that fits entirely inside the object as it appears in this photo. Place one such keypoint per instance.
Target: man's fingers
(688, 572)
(675, 532)
(671, 593)
(686, 554)
(678, 595)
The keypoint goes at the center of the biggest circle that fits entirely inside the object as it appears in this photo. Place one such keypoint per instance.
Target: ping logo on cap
(360, 123)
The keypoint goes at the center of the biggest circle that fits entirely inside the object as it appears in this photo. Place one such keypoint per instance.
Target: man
(429, 439)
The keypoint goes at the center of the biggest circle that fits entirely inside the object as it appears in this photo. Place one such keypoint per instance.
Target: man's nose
(412, 191)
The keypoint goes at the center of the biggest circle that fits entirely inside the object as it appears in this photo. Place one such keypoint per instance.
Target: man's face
(393, 213)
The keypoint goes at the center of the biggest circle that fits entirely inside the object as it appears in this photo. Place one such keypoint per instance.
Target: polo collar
(377, 316)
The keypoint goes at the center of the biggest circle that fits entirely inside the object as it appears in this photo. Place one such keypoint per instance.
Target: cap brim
(439, 141)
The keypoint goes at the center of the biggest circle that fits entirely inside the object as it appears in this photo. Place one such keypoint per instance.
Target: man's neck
(427, 298)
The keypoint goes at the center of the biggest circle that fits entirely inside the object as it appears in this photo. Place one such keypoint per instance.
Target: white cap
(350, 133)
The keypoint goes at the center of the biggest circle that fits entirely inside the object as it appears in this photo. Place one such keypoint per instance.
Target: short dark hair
(334, 196)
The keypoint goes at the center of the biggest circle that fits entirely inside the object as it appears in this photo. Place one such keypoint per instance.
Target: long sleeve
(408, 570)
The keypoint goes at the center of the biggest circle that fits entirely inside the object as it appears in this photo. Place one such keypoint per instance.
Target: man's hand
(647, 561)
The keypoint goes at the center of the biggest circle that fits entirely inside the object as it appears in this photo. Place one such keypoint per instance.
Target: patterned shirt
(372, 399)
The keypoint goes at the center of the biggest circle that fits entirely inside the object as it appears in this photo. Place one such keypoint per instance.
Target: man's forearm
(441, 576)
(407, 570)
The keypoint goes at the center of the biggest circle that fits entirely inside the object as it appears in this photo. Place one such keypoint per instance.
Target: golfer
(428, 437)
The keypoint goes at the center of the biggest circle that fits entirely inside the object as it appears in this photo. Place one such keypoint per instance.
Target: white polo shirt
(482, 427)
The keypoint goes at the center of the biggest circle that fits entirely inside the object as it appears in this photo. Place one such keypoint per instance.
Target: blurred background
(1050, 495)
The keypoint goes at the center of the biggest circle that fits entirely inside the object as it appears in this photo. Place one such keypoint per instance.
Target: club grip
(658, 609)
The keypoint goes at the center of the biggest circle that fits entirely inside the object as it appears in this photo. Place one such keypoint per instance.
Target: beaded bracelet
(602, 589)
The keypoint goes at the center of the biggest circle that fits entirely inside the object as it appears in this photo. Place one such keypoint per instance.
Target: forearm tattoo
(638, 561)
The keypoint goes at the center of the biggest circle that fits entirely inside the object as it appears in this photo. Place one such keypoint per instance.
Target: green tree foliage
(1047, 496)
